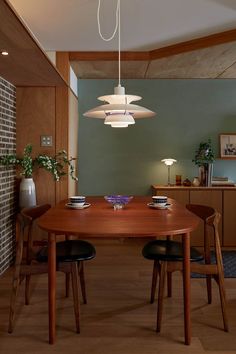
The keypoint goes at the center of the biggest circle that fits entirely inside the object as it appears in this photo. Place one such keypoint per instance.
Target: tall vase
(205, 174)
(202, 175)
(27, 193)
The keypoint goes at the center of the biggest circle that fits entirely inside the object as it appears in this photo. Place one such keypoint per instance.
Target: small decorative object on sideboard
(196, 182)
(187, 183)
(204, 159)
(178, 180)
(54, 164)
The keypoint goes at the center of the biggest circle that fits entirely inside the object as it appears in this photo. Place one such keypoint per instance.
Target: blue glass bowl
(118, 201)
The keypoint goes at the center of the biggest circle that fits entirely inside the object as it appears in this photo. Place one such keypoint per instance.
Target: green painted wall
(127, 161)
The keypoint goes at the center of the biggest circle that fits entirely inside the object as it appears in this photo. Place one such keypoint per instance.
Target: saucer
(152, 205)
(71, 206)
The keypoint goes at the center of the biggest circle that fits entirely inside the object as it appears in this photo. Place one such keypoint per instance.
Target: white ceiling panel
(71, 25)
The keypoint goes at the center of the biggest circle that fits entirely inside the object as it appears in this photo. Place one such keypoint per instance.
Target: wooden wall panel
(62, 118)
(73, 139)
(62, 124)
(229, 221)
(63, 65)
(36, 116)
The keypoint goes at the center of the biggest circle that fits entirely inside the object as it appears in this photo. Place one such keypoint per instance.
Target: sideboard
(223, 199)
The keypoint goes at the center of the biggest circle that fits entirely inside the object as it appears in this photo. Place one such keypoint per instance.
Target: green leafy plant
(56, 165)
(204, 154)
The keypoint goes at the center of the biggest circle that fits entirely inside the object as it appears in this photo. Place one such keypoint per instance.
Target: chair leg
(15, 288)
(27, 289)
(169, 275)
(163, 267)
(209, 288)
(82, 282)
(67, 282)
(223, 301)
(220, 278)
(154, 280)
(169, 284)
(207, 256)
(75, 287)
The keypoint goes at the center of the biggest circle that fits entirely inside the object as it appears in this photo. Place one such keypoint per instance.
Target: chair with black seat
(168, 257)
(70, 255)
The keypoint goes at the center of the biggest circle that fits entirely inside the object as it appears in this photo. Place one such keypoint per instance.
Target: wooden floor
(118, 318)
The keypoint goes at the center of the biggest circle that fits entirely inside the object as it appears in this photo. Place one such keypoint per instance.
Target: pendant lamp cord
(117, 26)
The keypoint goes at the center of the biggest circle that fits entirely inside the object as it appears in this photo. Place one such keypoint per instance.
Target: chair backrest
(211, 218)
(25, 220)
(208, 214)
(202, 211)
(35, 212)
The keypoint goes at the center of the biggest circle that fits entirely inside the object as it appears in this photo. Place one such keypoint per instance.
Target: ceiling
(71, 25)
(24, 54)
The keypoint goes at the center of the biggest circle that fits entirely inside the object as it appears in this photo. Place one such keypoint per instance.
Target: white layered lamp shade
(168, 162)
(119, 112)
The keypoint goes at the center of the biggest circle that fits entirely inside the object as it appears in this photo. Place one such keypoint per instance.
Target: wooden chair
(70, 255)
(168, 257)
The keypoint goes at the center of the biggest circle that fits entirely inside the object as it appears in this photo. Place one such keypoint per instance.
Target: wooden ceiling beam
(108, 56)
(194, 44)
(182, 47)
(27, 64)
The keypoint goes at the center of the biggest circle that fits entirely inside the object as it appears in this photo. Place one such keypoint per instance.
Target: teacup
(159, 200)
(77, 200)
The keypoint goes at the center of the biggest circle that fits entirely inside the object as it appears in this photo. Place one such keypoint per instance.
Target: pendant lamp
(117, 110)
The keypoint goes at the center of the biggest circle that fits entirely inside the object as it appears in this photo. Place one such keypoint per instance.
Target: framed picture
(228, 146)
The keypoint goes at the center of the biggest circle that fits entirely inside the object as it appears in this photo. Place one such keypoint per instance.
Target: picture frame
(228, 146)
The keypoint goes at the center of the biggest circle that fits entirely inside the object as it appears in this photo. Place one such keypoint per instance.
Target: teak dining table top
(100, 220)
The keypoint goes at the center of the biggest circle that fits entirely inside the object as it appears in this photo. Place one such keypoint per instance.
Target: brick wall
(7, 174)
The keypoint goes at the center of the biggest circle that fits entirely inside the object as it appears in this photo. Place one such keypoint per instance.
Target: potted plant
(204, 158)
(56, 165)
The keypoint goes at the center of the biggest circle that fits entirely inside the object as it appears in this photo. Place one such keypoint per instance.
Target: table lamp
(168, 163)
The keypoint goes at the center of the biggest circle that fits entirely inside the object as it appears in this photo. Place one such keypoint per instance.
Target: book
(220, 178)
(228, 183)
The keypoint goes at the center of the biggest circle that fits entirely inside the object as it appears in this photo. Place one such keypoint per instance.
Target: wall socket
(45, 140)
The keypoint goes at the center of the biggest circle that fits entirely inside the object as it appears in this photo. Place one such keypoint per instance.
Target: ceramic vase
(196, 182)
(27, 196)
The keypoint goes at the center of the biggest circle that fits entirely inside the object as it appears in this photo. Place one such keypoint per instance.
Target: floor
(118, 318)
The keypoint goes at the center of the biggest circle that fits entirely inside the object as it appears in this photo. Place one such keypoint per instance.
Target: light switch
(46, 140)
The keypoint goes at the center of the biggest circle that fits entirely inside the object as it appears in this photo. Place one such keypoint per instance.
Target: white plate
(71, 206)
(154, 206)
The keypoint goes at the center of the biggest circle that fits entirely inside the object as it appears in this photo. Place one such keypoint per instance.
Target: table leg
(186, 287)
(52, 287)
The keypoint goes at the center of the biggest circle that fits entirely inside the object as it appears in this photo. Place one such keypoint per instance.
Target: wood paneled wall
(73, 139)
(49, 111)
(36, 116)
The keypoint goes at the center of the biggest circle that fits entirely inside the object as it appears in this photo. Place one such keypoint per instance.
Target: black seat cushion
(69, 251)
(166, 250)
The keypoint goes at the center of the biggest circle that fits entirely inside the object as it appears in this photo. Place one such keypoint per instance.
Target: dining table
(138, 219)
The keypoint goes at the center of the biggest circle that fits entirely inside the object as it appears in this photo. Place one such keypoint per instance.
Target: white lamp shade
(119, 120)
(135, 110)
(169, 162)
(119, 99)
